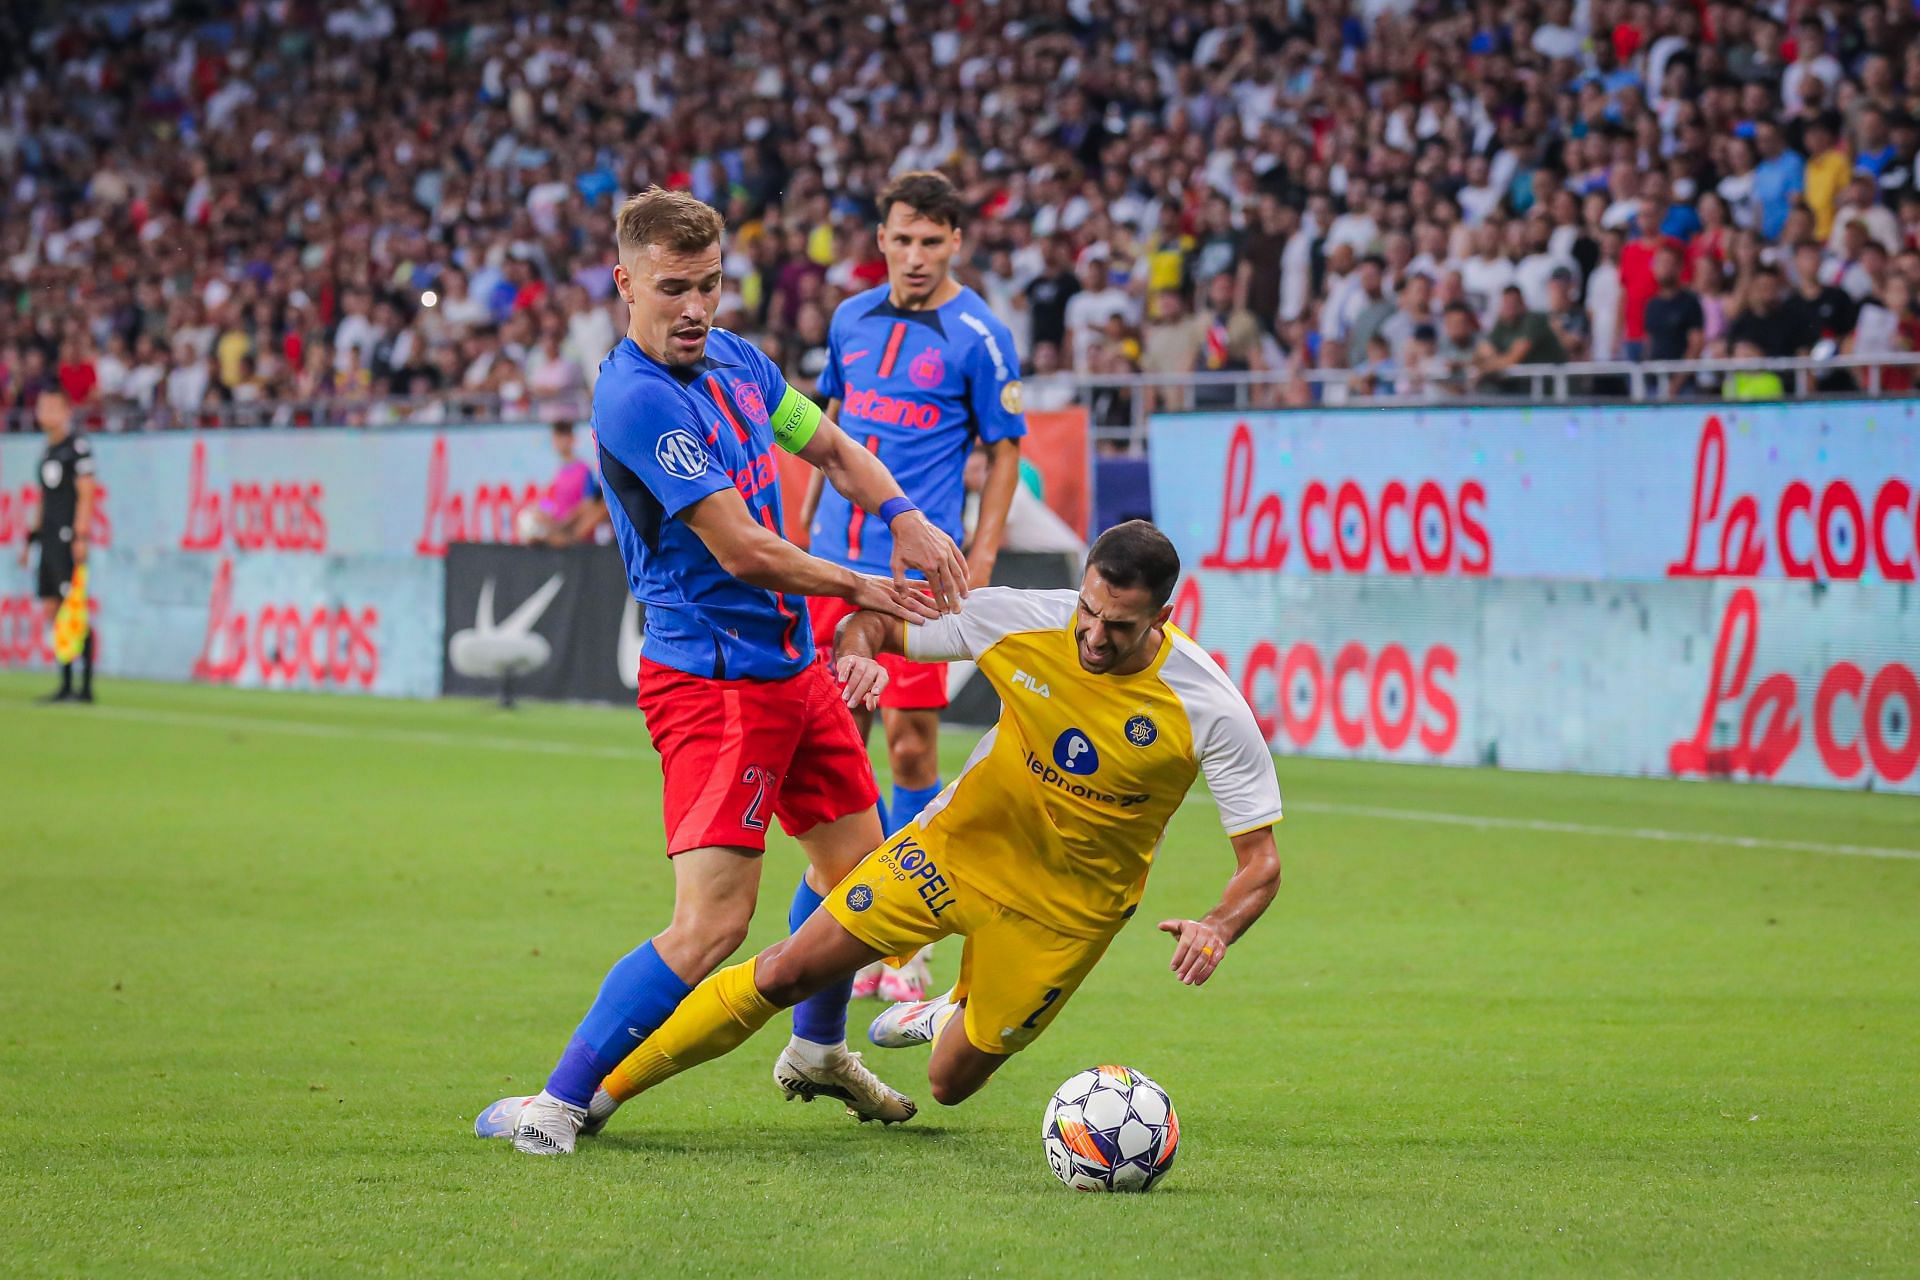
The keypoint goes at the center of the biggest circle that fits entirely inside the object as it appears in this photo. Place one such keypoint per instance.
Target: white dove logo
(488, 650)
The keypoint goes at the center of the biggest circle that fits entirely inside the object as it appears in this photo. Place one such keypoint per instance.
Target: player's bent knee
(949, 1092)
(705, 941)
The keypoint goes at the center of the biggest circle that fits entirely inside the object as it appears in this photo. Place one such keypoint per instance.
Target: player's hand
(1198, 951)
(918, 545)
(79, 550)
(862, 681)
(897, 599)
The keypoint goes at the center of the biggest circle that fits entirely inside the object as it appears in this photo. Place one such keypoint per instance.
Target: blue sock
(640, 993)
(908, 802)
(822, 1016)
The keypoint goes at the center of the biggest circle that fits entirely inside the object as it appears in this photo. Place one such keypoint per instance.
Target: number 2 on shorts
(755, 819)
(1053, 993)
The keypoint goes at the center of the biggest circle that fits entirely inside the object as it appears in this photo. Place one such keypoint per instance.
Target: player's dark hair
(1136, 554)
(674, 219)
(931, 195)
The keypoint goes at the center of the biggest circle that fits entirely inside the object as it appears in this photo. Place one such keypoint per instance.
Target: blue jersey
(915, 387)
(668, 438)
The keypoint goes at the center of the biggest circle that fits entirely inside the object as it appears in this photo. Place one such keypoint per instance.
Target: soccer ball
(1110, 1129)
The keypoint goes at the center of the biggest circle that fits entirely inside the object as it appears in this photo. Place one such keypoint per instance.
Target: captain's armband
(795, 419)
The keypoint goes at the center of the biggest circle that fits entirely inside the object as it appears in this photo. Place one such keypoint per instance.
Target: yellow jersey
(1062, 805)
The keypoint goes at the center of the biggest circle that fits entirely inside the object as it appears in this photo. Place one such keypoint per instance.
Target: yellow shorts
(1015, 973)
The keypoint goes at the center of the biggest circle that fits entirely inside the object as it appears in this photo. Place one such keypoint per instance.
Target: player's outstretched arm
(1200, 945)
(861, 638)
(816, 480)
(867, 483)
(996, 499)
(760, 557)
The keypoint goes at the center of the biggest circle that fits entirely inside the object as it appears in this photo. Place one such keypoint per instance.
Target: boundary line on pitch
(1438, 818)
(538, 746)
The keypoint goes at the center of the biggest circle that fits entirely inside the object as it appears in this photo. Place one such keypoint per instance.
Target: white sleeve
(1238, 766)
(1234, 756)
(985, 616)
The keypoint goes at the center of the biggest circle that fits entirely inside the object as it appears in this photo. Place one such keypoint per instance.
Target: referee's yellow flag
(70, 623)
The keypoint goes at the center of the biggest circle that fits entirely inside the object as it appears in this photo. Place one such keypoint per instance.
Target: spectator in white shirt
(188, 382)
(1811, 59)
(1604, 296)
(1537, 267)
(1486, 273)
(1089, 310)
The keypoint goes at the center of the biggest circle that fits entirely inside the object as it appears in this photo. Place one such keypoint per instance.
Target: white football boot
(910, 1022)
(548, 1126)
(502, 1119)
(807, 1071)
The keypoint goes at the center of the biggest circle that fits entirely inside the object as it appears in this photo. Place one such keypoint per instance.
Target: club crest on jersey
(1073, 752)
(680, 454)
(752, 403)
(927, 370)
(1011, 397)
(859, 898)
(51, 472)
(1141, 731)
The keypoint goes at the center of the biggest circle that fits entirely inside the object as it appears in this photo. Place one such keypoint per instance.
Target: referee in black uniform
(66, 518)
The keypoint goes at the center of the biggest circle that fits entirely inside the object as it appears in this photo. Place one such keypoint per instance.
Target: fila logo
(1027, 682)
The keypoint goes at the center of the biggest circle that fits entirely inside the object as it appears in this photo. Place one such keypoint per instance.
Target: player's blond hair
(674, 220)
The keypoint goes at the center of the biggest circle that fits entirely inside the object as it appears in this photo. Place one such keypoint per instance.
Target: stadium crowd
(212, 205)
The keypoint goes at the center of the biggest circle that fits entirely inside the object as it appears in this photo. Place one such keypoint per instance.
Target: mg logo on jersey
(1073, 751)
(876, 406)
(681, 454)
(1021, 680)
(927, 370)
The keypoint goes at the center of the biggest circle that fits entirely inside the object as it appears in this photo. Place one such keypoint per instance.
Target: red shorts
(735, 752)
(911, 686)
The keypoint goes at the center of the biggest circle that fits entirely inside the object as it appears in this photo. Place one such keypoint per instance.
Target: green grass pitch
(262, 959)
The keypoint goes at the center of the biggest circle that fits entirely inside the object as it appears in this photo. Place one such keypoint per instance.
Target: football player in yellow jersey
(1038, 851)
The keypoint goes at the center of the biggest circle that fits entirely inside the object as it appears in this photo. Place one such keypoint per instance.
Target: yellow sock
(716, 1017)
(942, 1018)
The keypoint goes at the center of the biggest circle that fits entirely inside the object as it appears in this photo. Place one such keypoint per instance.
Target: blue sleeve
(657, 438)
(772, 383)
(594, 490)
(993, 385)
(832, 384)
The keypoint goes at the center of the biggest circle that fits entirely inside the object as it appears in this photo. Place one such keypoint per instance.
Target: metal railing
(446, 408)
(1119, 406)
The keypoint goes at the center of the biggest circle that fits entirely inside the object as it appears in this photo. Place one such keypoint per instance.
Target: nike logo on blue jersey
(851, 356)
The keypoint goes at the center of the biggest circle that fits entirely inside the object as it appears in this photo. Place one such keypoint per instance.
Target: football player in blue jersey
(918, 369)
(748, 724)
